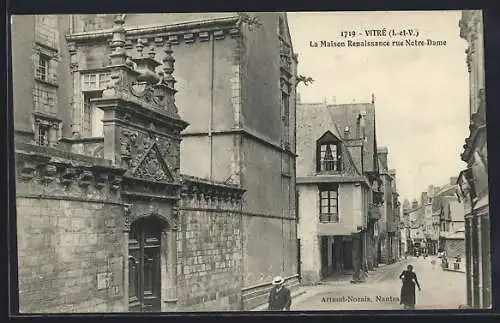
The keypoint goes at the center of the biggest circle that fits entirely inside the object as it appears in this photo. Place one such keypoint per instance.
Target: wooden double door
(144, 268)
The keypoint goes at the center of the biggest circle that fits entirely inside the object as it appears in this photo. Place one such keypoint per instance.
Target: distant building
(338, 189)
(473, 180)
(416, 223)
(405, 228)
(451, 239)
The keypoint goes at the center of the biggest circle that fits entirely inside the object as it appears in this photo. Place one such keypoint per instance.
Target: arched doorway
(144, 268)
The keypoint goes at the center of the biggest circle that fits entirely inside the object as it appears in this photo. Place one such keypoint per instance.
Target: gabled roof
(346, 115)
(313, 121)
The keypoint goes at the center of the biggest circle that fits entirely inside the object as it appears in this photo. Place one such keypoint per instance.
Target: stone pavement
(440, 290)
(304, 293)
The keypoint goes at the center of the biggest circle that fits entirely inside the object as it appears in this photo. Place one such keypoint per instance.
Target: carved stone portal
(153, 166)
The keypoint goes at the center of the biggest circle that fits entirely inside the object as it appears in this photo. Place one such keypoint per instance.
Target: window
(92, 86)
(285, 101)
(95, 81)
(45, 99)
(46, 32)
(328, 203)
(42, 68)
(328, 153)
(43, 135)
(328, 157)
(92, 125)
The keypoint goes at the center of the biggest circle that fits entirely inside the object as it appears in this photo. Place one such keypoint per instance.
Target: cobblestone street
(440, 290)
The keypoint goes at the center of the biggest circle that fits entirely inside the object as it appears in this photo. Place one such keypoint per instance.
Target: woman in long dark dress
(409, 279)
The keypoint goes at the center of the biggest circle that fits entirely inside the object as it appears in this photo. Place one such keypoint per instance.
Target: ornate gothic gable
(153, 166)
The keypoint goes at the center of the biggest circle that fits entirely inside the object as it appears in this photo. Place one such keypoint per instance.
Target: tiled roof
(313, 121)
(346, 115)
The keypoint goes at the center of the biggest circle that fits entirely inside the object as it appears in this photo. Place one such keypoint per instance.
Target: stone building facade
(389, 237)
(113, 148)
(239, 100)
(338, 192)
(473, 180)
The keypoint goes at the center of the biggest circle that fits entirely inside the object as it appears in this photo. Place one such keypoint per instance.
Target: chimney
(360, 125)
(373, 98)
(430, 190)
(382, 153)
(424, 198)
(414, 204)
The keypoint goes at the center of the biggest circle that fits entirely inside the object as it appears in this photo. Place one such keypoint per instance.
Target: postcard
(250, 161)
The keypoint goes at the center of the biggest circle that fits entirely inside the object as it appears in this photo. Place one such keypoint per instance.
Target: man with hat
(280, 298)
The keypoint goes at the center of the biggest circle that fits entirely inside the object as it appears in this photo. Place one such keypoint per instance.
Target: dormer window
(328, 153)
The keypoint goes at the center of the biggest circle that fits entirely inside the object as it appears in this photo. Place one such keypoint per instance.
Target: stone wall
(210, 247)
(69, 233)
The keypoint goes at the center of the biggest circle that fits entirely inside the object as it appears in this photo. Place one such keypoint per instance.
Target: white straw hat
(278, 280)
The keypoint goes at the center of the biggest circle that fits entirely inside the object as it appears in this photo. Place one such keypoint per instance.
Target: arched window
(328, 153)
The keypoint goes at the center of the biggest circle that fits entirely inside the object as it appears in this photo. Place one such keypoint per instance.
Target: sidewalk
(302, 293)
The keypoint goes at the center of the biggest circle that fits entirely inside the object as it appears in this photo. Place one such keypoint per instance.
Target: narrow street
(440, 290)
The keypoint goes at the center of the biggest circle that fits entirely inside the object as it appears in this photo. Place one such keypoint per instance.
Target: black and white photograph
(250, 161)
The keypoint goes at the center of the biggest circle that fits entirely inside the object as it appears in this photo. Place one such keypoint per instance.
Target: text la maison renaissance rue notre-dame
(378, 38)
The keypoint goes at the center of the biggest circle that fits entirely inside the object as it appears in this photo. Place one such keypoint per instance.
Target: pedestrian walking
(409, 279)
(433, 262)
(280, 298)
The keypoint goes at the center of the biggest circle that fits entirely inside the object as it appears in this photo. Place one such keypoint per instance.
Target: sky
(421, 93)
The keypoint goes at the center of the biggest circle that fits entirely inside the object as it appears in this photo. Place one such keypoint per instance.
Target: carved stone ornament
(49, 173)
(85, 178)
(101, 180)
(73, 67)
(127, 141)
(126, 217)
(116, 182)
(153, 166)
(67, 176)
(27, 170)
(144, 91)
